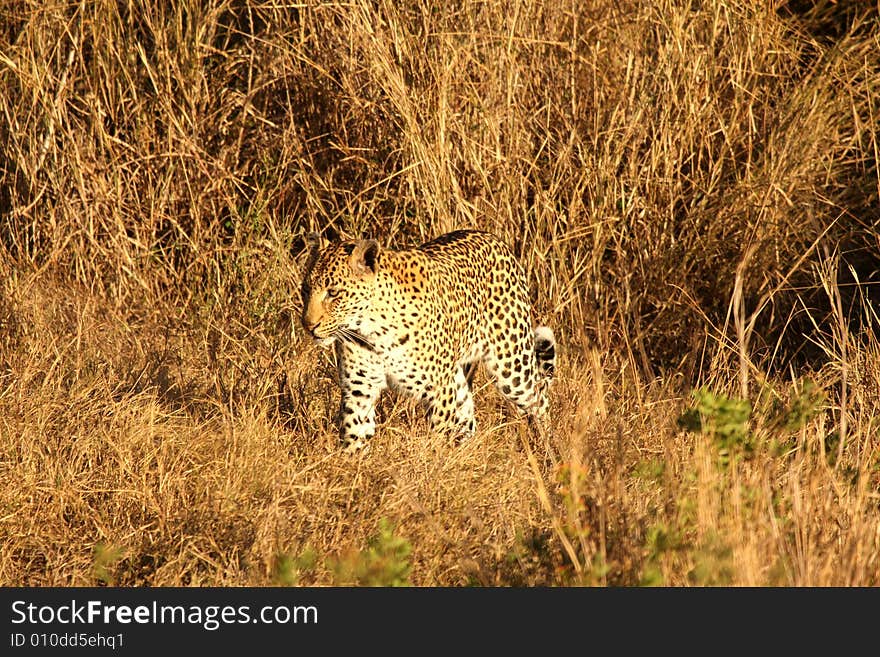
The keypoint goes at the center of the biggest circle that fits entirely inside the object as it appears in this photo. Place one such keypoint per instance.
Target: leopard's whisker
(351, 335)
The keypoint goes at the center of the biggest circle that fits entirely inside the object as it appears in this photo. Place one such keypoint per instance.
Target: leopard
(420, 320)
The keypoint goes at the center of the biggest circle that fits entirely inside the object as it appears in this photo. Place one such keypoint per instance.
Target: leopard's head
(338, 289)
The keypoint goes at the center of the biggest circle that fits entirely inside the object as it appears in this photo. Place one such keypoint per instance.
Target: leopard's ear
(364, 259)
(314, 245)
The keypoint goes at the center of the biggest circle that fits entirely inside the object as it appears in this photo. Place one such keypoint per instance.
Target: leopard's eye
(332, 294)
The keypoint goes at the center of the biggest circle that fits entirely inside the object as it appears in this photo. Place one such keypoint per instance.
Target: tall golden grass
(692, 188)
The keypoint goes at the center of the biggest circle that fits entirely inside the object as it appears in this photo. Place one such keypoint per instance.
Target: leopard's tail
(545, 351)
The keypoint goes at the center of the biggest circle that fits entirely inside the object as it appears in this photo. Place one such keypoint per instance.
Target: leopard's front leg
(361, 379)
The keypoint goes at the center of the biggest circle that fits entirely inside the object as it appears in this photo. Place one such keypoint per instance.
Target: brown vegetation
(692, 188)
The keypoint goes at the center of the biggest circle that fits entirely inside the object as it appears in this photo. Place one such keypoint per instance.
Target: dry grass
(693, 189)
